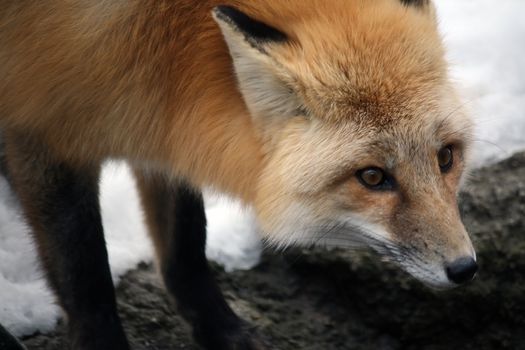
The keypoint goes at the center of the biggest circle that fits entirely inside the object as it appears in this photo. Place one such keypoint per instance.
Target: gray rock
(327, 300)
(8, 341)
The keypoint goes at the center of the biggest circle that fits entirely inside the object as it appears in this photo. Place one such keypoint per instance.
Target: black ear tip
(231, 15)
(251, 28)
(415, 2)
(223, 11)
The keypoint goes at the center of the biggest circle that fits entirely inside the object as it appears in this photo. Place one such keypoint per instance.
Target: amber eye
(375, 179)
(445, 158)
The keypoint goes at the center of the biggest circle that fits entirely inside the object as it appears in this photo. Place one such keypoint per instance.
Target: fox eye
(445, 158)
(375, 179)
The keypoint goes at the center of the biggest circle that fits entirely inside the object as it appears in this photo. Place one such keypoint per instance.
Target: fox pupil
(372, 176)
(445, 158)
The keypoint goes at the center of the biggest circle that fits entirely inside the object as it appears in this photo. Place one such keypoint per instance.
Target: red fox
(336, 120)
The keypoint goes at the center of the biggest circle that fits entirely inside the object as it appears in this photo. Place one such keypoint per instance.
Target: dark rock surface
(324, 300)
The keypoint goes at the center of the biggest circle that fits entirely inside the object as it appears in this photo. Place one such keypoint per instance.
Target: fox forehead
(366, 60)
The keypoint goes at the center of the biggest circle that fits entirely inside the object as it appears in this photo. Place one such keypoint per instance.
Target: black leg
(61, 204)
(178, 225)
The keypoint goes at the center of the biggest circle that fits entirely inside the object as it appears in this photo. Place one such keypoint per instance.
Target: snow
(486, 48)
(122, 219)
(27, 305)
(486, 43)
(232, 238)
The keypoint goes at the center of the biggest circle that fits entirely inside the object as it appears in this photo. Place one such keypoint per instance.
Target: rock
(8, 341)
(327, 300)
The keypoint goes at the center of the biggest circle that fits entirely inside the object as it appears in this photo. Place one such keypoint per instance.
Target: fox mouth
(406, 257)
(432, 275)
(434, 278)
(354, 235)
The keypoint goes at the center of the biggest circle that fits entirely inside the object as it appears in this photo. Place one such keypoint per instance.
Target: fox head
(365, 138)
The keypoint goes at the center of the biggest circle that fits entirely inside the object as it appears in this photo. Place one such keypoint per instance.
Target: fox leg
(177, 222)
(61, 204)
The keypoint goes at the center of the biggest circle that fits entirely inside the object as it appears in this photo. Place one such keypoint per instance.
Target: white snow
(26, 304)
(486, 42)
(122, 219)
(232, 239)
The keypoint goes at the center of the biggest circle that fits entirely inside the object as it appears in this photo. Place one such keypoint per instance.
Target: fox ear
(261, 78)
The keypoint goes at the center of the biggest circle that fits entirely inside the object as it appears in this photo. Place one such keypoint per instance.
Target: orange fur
(149, 82)
(154, 83)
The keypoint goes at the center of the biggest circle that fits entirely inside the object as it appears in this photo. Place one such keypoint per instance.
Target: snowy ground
(486, 49)
(486, 42)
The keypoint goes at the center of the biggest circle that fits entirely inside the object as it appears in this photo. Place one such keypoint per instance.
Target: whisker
(492, 144)
(450, 115)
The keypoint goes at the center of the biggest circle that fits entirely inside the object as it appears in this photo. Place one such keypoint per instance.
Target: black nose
(462, 270)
